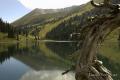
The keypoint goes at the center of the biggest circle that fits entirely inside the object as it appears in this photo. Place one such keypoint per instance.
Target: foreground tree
(88, 67)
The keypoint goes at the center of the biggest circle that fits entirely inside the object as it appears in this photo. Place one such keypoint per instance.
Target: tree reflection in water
(46, 58)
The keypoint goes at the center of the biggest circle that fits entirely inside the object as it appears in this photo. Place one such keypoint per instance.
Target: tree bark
(88, 67)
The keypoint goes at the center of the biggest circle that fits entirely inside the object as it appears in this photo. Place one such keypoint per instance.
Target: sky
(31, 4)
(11, 10)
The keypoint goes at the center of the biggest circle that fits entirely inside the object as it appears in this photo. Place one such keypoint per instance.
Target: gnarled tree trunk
(88, 67)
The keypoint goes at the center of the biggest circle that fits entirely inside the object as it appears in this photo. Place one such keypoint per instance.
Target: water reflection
(47, 75)
(32, 61)
(7, 53)
(63, 49)
(12, 69)
(41, 61)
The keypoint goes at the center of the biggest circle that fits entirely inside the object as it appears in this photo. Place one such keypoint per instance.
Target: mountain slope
(50, 30)
(58, 24)
(66, 27)
(41, 15)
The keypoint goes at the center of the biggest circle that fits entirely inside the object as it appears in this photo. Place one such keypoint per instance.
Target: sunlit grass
(49, 27)
(110, 47)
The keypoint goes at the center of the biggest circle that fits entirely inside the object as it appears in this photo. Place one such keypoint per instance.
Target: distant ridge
(40, 15)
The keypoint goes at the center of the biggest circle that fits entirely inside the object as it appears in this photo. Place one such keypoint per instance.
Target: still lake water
(41, 61)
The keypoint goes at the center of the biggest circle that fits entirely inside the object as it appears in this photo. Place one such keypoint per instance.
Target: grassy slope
(48, 27)
(32, 18)
(5, 39)
(110, 48)
(36, 16)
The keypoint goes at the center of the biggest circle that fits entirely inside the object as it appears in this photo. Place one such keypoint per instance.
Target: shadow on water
(10, 51)
(63, 49)
(41, 61)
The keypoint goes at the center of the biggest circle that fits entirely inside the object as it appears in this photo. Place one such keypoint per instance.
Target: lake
(42, 61)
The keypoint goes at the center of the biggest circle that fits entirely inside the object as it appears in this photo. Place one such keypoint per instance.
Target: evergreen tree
(7, 28)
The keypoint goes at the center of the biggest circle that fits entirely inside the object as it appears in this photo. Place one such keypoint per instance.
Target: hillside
(54, 27)
(73, 24)
(51, 19)
(58, 24)
(38, 16)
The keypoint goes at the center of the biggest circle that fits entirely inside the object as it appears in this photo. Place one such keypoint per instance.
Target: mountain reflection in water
(41, 61)
(35, 61)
